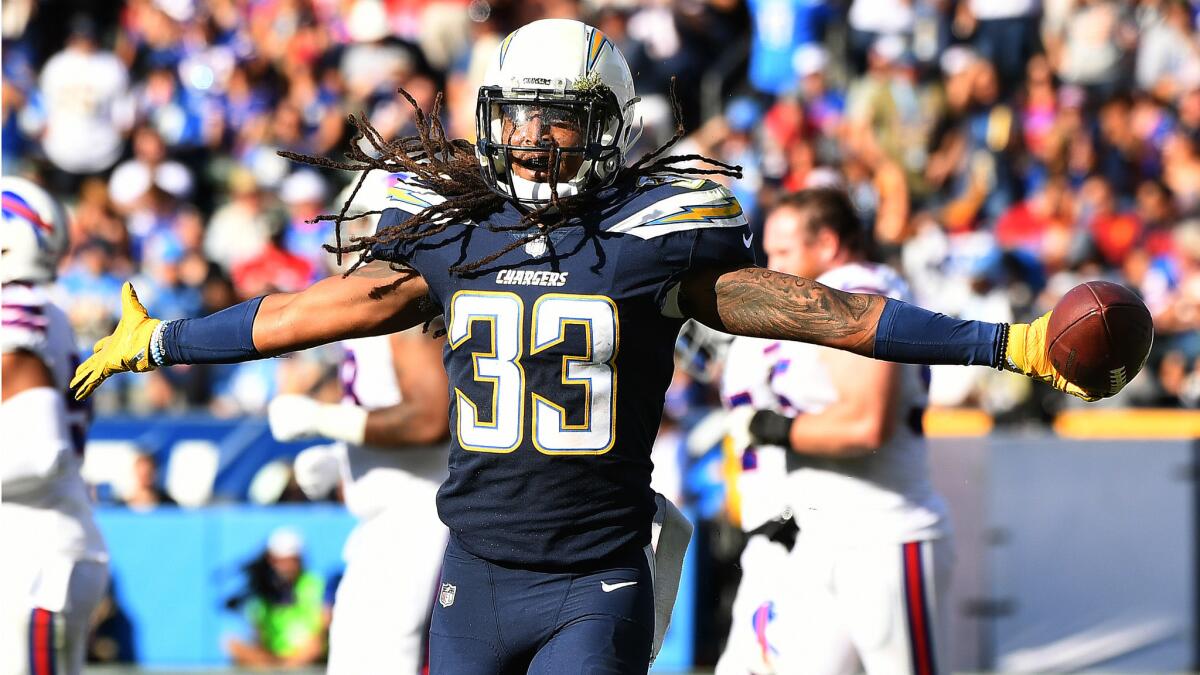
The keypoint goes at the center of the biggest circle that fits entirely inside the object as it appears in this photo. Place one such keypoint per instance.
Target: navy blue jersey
(559, 354)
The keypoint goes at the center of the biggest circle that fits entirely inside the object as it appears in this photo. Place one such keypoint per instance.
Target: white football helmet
(33, 232)
(565, 70)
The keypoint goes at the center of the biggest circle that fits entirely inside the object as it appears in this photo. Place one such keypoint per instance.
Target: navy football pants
(493, 620)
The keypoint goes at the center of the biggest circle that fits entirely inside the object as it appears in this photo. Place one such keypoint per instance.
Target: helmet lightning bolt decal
(504, 47)
(596, 42)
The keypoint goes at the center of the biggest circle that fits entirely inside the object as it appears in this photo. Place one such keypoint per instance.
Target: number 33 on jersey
(588, 379)
(559, 354)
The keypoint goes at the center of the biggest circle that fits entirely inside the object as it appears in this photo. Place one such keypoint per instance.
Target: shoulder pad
(665, 203)
(405, 194)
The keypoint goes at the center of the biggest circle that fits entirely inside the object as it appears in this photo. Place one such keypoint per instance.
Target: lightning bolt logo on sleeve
(409, 197)
(715, 207)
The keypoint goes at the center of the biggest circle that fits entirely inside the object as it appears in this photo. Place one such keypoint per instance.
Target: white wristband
(342, 422)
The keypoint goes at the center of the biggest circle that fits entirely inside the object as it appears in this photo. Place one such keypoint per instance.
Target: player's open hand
(126, 350)
(1027, 355)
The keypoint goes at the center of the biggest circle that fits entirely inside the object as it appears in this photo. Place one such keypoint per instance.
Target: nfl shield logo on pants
(446, 597)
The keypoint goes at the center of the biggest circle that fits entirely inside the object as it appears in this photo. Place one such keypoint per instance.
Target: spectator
(159, 214)
(781, 30)
(176, 113)
(274, 269)
(1118, 149)
(85, 89)
(1181, 170)
(1004, 32)
(824, 106)
(1172, 291)
(889, 111)
(98, 219)
(149, 165)
(975, 176)
(242, 109)
(242, 228)
(1037, 223)
(94, 290)
(285, 607)
(318, 107)
(1113, 232)
(1187, 112)
(1168, 62)
(18, 83)
(374, 66)
(144, 492)
(304, 194)
(162, 284)
(1156, 211)
(1092, 48)
(871, 20)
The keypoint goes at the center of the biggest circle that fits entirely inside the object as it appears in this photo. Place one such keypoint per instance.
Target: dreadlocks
(450, 168)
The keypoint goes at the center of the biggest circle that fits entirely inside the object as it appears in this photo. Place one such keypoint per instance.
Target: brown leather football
(1099, 336)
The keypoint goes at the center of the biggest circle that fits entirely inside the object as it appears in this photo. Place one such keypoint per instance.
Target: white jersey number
(500, 367)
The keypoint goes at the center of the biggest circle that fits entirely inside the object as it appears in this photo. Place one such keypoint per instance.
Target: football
(1099, 336)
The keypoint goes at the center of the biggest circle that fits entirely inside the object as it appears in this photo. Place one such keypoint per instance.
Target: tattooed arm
(762, 303)
(752, 301)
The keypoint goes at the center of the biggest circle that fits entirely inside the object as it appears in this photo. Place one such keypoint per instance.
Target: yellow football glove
(127, 349)
(1026, 354)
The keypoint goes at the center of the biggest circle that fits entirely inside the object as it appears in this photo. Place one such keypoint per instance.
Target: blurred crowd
(1000, 151)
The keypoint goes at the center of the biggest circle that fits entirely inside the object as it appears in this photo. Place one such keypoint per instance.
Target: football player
(563, 273)
(59, 572)
(872, 559)
(758, 498)
(392, 428)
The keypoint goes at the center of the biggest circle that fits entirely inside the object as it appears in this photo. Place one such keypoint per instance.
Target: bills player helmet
(561, 73)
(33, 232)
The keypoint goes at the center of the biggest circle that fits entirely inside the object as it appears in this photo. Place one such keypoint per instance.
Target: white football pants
(47, 610)
(751, 648)
(382, 605)
(866, 607)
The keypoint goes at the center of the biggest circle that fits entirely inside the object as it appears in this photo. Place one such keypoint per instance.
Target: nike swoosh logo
(609, 588)
(746, 239)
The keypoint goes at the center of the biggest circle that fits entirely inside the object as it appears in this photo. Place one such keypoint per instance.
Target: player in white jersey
(58, 573)
(762, 510)
(872, 559)
(392, 459)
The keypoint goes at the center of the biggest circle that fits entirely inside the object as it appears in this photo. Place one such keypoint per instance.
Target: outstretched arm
(748, 300)
(374, 300)
(758, 302)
